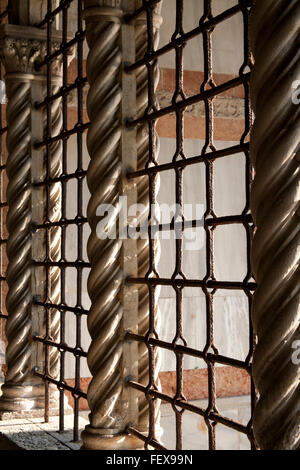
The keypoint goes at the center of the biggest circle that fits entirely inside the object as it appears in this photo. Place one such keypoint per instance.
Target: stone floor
(33, 434)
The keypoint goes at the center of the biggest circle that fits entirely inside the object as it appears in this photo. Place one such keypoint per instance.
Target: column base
(94, 439)
(28, 401)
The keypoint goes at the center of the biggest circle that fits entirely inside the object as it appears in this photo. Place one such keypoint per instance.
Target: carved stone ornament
(21, 55)
(22, 48)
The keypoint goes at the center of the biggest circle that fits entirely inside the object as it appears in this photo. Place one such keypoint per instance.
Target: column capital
(23, 47)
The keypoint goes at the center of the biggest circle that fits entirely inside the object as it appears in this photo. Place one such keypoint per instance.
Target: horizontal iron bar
(63, 347)
(190, 161)
(184, 405)
(63, 264)
(211, 222)
(151, 442)
(61, 179)
(61, 223)
(209, 357)
(232, 285)
(62, 385)
(62, 92)
(184, 103)
(62, 307)
(179, 41)
(63, 135)
(229, 219)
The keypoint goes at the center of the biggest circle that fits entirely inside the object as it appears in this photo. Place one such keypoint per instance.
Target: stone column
(274, 147)
(21, 48)
(141, 46)
(112, 148)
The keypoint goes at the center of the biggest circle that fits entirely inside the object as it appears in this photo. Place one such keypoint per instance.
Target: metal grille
(208, 91)
(3, 202)
(60, 137)
(71, 181)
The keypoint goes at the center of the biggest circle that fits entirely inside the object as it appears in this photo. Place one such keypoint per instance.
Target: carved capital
(21, 55)
(22, 48)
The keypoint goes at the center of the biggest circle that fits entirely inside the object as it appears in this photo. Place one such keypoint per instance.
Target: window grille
(71, 180)
(208, 90)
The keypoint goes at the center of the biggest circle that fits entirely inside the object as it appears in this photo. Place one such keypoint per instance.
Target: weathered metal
(149, 280)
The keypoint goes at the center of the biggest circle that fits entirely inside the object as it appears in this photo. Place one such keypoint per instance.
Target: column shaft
(23, 392)
(275, 208)
(141, 44)
(114, 306)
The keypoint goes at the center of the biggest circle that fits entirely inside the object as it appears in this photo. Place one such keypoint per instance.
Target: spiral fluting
(54, 215)
(104, 172)
(18, 300)
(143, 244)
(275, 207)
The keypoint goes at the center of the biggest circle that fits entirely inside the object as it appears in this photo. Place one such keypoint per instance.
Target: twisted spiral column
(107, 417)
(143, 198)
(275, 208)
(18, 300)
(104, 172)
(55, 232)
(20, 49)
